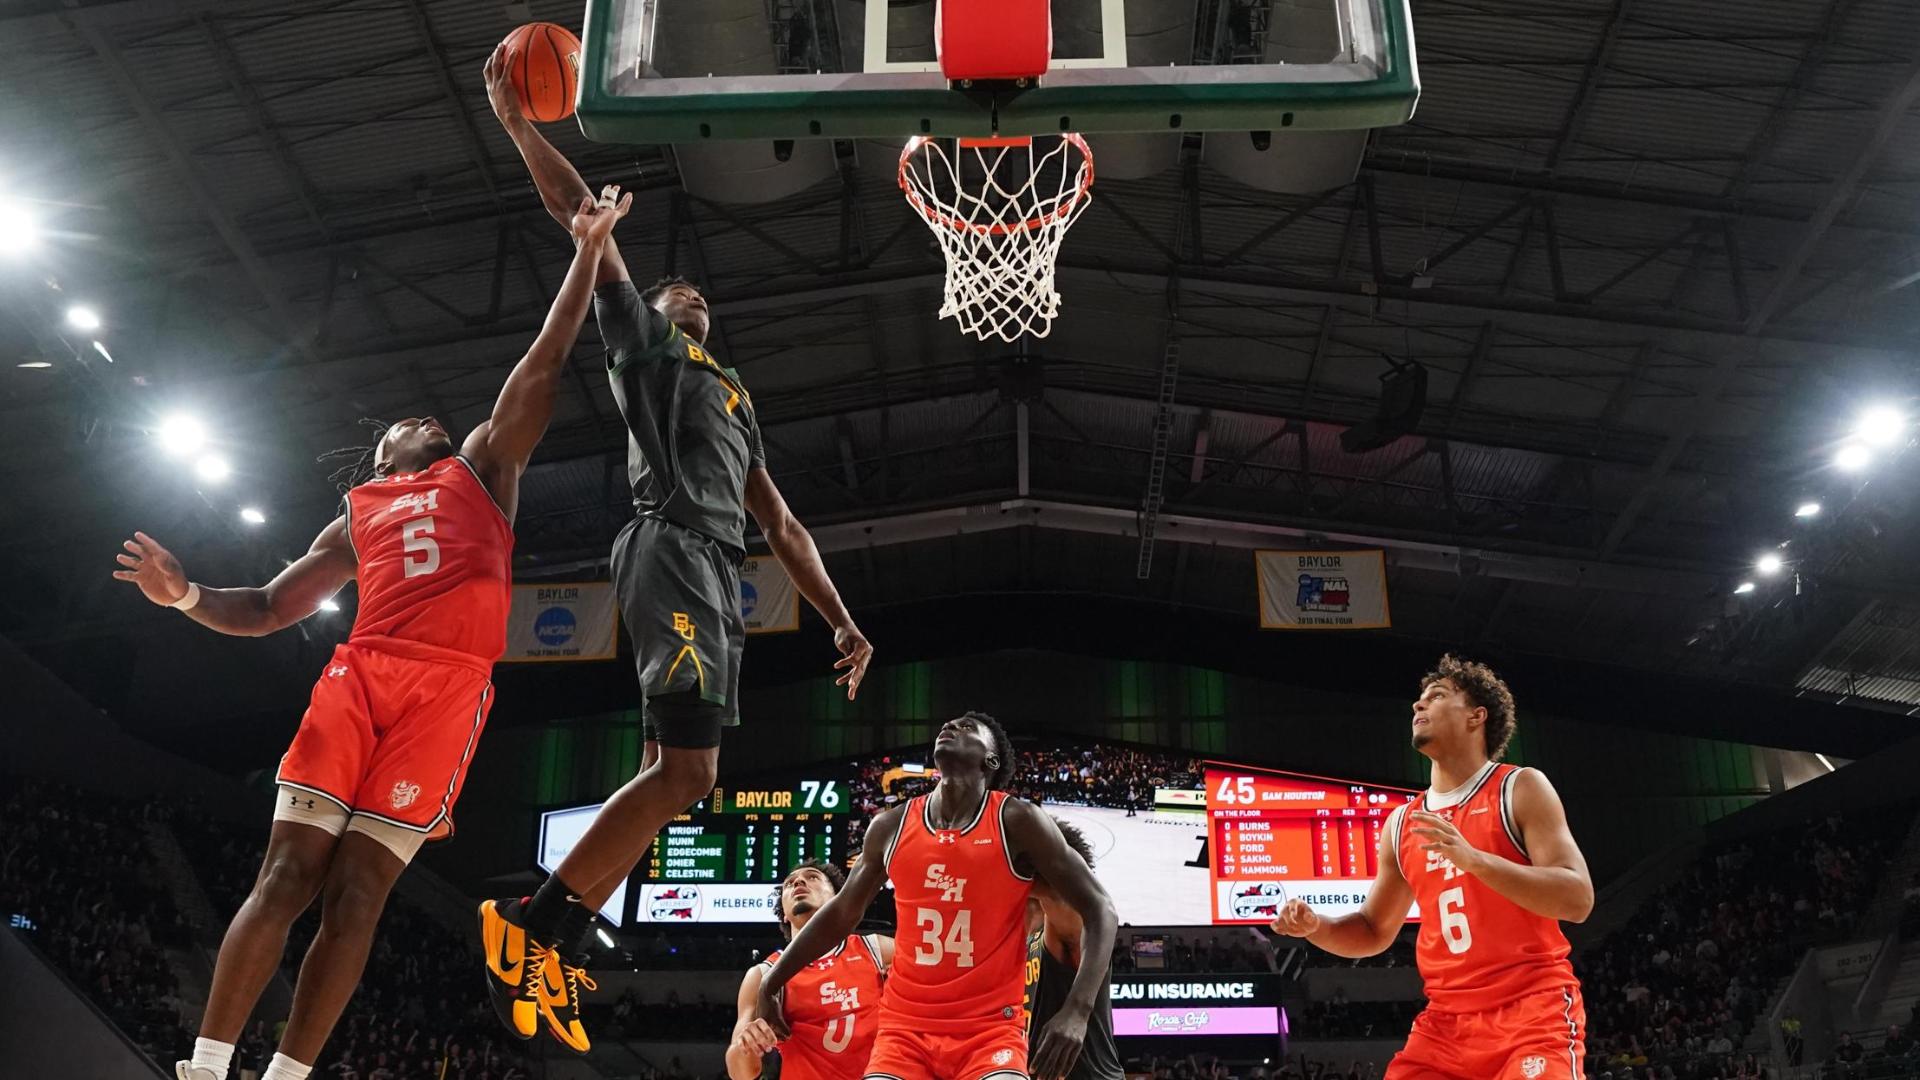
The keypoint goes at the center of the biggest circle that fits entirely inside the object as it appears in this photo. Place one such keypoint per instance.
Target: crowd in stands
(1297, 1067)
(1118, 777)
(1339, 1018)
(1675, 993)
(77, 869)
(1182, 953)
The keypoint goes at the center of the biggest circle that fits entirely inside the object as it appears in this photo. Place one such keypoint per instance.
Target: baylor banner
(561, 621)
(769, 604)
(1322, 590)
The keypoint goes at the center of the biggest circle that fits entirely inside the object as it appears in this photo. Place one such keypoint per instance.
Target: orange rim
(933, 216)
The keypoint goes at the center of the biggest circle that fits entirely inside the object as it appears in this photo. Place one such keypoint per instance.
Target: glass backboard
(684, 71)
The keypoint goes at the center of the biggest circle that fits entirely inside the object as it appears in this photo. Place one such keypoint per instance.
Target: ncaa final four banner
(1322, 590)
(769, 604)
(561, 621)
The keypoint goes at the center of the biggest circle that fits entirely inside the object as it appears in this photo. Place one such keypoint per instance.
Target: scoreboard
(721, 860)
(1274, 836)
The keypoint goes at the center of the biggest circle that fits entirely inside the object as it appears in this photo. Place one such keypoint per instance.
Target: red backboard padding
(993, 39)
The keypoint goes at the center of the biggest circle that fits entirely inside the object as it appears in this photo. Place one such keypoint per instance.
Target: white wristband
(186, 603)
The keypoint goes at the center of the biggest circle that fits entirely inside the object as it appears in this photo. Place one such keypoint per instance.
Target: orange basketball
(544, 68)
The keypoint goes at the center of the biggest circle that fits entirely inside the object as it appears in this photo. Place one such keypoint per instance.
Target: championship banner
(1322, 590)
(769, 604)
(561, 621)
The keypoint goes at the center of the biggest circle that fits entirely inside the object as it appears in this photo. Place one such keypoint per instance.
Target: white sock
(285, 1068)
(213, 1054)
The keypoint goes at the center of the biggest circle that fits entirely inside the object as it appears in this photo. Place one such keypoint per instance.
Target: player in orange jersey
(1487, 855)
(383, 750)
(963, 860)
(831, 1005)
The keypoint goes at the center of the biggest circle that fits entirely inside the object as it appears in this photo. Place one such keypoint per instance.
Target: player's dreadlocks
(653, 291)
(356, 462)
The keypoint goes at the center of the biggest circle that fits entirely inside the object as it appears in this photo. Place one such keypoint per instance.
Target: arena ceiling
(1654, 255)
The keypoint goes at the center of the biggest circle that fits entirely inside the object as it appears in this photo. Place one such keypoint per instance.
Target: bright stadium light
(35, 365)
(18, 233)
(329, 604)
(1743, 588)
(1881, 425)
(212, 468)
(181, 435)
(252, 516)
(1807, 510)
(1852, 457)
(82, 317)
(605, 938)
(1770, 563)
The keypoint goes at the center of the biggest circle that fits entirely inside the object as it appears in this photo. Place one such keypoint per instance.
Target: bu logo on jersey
(417, 503)
(953, 890)
(848, 999)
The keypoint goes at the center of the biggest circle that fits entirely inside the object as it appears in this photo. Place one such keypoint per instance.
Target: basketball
(545, 70)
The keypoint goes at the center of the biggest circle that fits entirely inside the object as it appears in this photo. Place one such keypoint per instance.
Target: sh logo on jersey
(416, 503)
(952, 889)
(848, 999)
(1437, 861)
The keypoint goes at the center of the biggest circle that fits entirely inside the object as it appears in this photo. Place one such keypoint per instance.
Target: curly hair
(654, 290)
(1076, 840)
(1486, 691)
(828, 870)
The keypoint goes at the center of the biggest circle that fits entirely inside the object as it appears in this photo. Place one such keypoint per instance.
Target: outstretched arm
(292, 595)
(1037, 842)
(559, 183)
(834, 921)
(793, 546)
(500, 447)
(1554, 881)
(1366, 932)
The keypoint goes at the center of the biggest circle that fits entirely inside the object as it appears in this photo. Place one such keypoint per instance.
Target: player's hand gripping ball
(535, 73)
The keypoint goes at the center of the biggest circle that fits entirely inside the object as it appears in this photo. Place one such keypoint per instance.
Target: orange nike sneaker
(513, 967)
(556, 990)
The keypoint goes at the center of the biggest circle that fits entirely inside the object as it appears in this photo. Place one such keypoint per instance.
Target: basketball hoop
(1000, 208)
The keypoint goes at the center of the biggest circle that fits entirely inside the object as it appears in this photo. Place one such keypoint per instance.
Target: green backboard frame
(1375, 84)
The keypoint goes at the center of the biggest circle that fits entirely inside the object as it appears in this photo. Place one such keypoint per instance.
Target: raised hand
(767, 1014)
(1441, 836)
(506, 103)
(594, 221)
(153, 568)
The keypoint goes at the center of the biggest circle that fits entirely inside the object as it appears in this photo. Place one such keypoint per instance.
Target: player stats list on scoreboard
(747, 836)
(1274, 836)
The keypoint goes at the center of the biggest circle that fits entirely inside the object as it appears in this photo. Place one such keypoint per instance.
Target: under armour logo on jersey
(946, 838)
(336, 671)
(416, 503)
(952, 889)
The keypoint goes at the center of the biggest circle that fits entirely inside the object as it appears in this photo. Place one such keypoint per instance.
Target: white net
(999, 209)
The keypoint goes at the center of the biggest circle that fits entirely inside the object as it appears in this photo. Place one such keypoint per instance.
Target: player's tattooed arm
(502, 444)
(836, 918)
(1556, 884)
(753, 1038)
(793, 545)
(1036, 842)
(292, 595)
(559, 183)
(1366, 932)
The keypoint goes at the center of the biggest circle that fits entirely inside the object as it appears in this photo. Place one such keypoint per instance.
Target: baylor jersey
(1048, 981)
(691, 431)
